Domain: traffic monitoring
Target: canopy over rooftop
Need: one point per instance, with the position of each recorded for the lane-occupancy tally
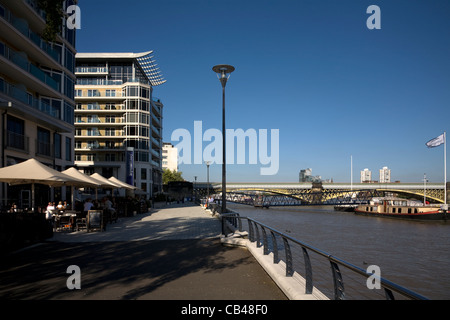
(145, 60)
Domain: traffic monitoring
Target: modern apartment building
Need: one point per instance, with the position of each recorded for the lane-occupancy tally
(366, 176)
(36, 95)
(170, 157)
(118, 121)
(305, 175)
(385, 175)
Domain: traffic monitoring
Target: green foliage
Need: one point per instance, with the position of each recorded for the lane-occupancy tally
(169, 176)
(55, 15)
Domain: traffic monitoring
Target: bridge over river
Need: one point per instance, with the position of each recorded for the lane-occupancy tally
(295, 194)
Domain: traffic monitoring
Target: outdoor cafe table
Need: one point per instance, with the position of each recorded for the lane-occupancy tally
(58, 214)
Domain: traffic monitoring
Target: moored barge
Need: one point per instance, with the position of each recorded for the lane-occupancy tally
(402, 209)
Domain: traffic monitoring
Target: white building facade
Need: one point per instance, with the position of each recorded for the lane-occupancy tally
(385, 175)
(366, 176)
(170, 157)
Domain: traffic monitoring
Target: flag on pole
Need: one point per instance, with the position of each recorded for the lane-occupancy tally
(436, 141)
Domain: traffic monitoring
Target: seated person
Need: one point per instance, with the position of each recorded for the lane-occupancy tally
(60, 206)
(49, 211)
(88, 205)
(108, 205)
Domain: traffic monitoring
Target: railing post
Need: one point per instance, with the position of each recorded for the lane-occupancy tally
(308, 271)
(339, 293)
(250, 231)
(265, 245)
(389, 295)
(258, 239)
(222, 218)
(275, 248)
(289, 267)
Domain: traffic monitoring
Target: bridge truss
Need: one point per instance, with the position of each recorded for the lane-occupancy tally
(266, 197)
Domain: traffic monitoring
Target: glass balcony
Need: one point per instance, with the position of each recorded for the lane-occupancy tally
(91, 70)
(21, 25)
(98, 82)
(98, 94)
(28, 99)
(20, 60)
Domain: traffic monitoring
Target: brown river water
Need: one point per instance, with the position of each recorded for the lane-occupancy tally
(413, 254)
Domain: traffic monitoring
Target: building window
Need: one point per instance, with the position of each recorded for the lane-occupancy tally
(132, 104)
(111, 132)
(110, 93)
(69, 61)
(93, 93)
(43, 142)
(69, 87)
(133, 91)
(68, 113)
(15, 133)
(145, 93)
(68, 149)
(143, 173)
(57, 143)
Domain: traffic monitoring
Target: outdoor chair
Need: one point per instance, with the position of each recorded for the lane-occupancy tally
(81, 221)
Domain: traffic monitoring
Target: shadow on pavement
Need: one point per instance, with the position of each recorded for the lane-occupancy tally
(169, 270)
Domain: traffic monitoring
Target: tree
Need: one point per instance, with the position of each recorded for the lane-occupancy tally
(169, 176)
(55, 15)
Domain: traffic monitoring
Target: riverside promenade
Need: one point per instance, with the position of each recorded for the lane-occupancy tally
(172, 253)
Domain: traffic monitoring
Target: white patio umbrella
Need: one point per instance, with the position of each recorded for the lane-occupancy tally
(32, 171)
(84, 177)
(105, 183)
(122, 184)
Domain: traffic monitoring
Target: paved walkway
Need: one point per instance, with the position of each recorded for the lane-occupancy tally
(173, 254)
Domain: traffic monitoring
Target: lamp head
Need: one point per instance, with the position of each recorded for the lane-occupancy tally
(223, 72)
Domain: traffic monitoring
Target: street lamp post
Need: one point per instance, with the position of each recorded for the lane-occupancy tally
(195, 188)
(223, 73)
(207, 181)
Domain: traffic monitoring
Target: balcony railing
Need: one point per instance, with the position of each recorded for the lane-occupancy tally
(110, 121)
(17, 141)
(91, 70)
(98, 94)
(22, 62)
(273, 242)
(97, 107)
(21, 25)
(156, 141)
(28, 99)
(43, 148)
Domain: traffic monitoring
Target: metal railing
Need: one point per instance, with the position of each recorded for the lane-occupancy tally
(273, 240)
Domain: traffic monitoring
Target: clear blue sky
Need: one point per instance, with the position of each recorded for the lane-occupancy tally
(310, 68)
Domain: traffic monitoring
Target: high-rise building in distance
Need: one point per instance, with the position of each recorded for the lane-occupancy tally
(366, 176)
(385, 175)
